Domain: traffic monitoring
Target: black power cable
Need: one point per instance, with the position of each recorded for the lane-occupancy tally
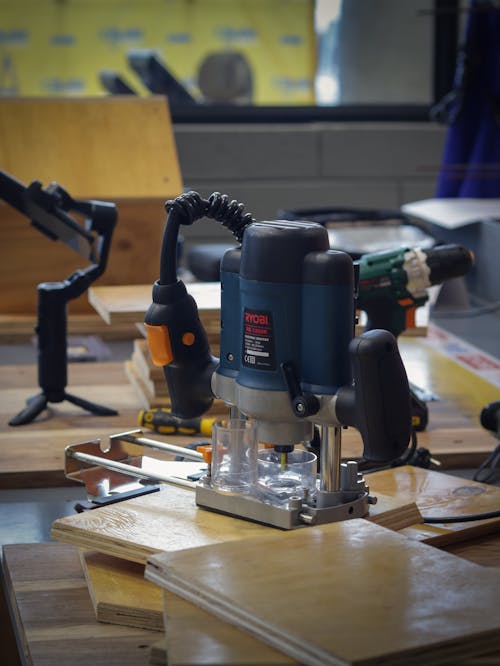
(461, 519)
(186, 209)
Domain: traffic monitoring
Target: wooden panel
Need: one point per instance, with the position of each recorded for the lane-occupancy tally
(20, 329)
(158, 654)
(118, 149)
(168, 520)
(28, 258)
(438, 494)
(105, 147)
(194, 637)
(128, 303)
(54, 614)
(119, 592)
(121, 595)
(462, 392)
(366, 581)
(33, 455)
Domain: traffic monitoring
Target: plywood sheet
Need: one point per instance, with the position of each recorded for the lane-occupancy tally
(363, 600)
(103, 147)
(438, 494)
(158, 654)
(195, 636)
(33, 455)
(119, 592)
(167, 520)
(128, 303)
(54, 615)
(170, 520)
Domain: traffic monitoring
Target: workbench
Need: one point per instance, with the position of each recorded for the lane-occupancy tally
(32, 456)
(56, 621)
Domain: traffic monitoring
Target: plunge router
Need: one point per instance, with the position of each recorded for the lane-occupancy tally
(289, 361)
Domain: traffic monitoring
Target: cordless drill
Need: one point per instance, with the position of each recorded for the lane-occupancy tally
(394, 283)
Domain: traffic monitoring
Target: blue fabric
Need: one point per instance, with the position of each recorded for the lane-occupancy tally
(471, 158)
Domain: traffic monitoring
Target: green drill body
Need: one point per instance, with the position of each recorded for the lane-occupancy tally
(392, 284)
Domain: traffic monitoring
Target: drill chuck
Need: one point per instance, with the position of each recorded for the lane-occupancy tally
(447, 261)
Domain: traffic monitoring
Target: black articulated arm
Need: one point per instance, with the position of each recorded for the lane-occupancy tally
(378, 404)
(49, 211)
(176, 337)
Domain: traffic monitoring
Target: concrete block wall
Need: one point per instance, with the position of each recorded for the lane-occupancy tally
(271, 166)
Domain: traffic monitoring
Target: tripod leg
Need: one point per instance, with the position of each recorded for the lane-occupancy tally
(34, 406)
(92, 407)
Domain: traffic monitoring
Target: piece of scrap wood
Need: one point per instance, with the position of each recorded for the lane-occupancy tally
(344, 593)
(119, 592)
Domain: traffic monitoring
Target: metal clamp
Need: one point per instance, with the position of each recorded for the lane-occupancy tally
(107, 467)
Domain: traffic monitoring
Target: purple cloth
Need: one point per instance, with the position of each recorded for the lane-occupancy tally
(471, 158)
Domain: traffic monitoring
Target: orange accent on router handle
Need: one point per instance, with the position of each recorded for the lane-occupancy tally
(159, 344)
(188, 338)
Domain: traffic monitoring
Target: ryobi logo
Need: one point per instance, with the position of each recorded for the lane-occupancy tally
(254, 318)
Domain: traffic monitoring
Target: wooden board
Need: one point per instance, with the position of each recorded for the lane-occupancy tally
(118, 147)
(121, 595)
(119, 592)
(54, 617)
(128, 303)
(158, 654)
(438, 494)
(195, 636)
(33, 455)
(364, 600)
(169, 520)
(83, 145)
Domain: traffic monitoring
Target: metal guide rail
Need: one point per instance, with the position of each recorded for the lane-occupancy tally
(117, 468)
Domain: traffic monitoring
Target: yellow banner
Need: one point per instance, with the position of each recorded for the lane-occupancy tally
(58, 48)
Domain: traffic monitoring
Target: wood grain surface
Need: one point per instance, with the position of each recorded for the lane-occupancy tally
(438, 494)
(170, 520)
(92, 146)
(371, 596)
(33, 455)
(121, 595)
(56, 140)
(167, 520)
(54, 615)
(194, 636)
(120, 304)
(158, 654)
(119, 592)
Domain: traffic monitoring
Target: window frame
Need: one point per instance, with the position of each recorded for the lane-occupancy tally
(445, 44)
